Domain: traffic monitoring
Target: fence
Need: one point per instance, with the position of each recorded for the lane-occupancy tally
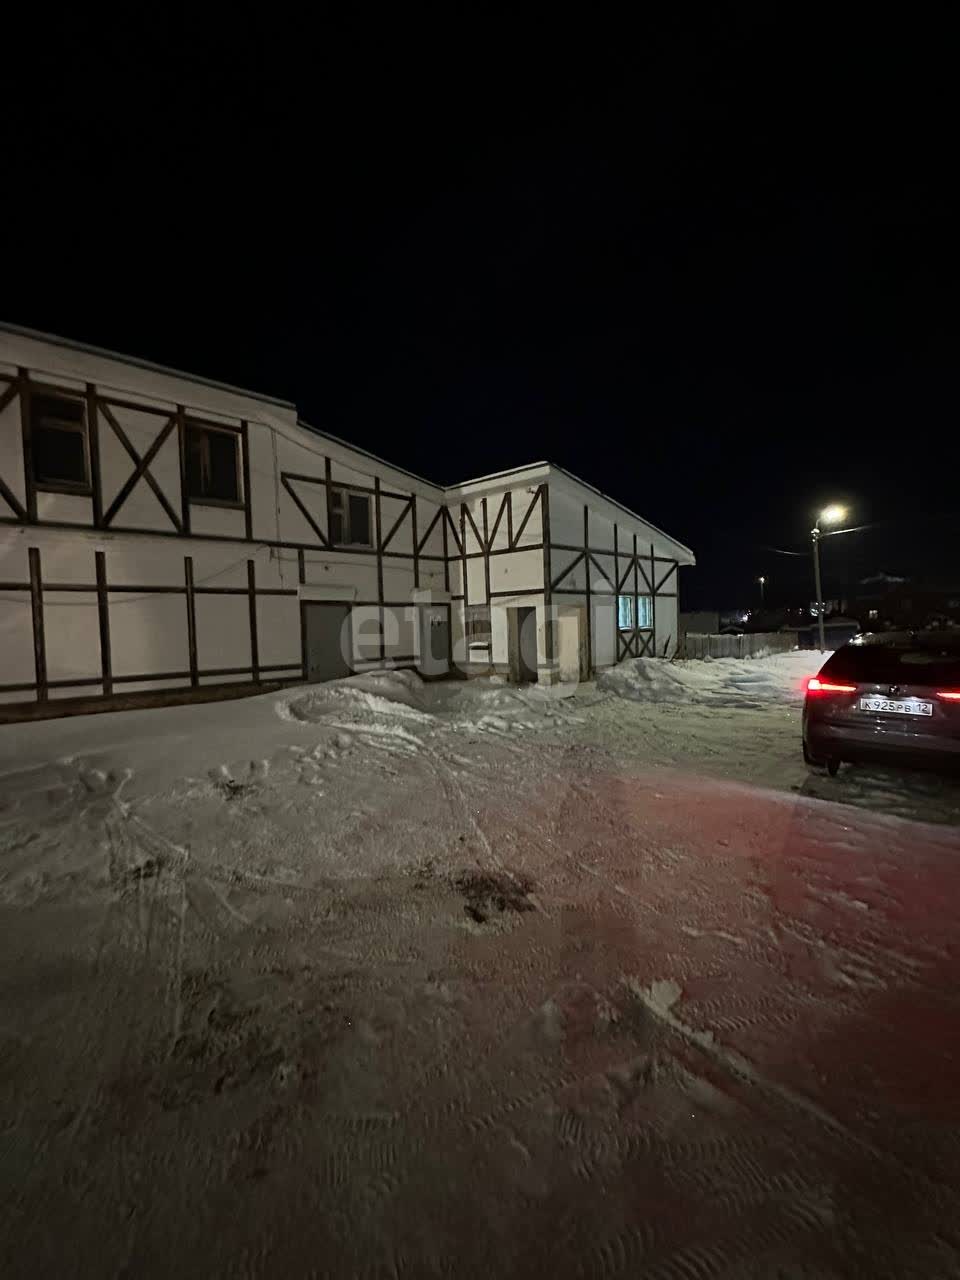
(753, 645)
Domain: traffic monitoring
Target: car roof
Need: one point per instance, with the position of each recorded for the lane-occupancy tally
(928, 639)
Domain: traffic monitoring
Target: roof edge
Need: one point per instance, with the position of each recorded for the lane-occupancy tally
(584, 484)
(374, 457)
(137, 363)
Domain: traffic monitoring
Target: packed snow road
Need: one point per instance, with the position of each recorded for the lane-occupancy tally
(383, 979)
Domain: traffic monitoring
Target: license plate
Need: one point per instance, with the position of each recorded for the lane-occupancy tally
(898, 706)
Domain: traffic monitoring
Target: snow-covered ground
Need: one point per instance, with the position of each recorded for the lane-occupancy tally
(715, 682)
(384, 978)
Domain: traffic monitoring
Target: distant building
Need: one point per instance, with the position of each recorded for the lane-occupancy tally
(885, 600)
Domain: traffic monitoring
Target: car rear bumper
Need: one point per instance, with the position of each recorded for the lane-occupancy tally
(824, 738)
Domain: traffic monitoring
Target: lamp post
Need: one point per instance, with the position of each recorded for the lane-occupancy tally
(762, 580)
(829, 515)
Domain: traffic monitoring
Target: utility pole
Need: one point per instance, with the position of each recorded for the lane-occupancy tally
(829, 515)
(815, 535)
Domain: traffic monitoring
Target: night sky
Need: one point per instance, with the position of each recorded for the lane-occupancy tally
(708, 266)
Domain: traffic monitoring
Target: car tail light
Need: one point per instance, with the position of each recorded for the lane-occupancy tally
(817, 686)
(949, 695)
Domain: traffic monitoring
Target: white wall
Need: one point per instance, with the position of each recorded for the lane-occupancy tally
(142, 549)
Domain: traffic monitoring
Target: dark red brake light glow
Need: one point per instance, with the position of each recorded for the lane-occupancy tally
(815, 685)
(949, 695)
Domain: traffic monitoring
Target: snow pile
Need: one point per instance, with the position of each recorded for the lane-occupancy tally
(376, 699)
(371, 695)
(723, 682)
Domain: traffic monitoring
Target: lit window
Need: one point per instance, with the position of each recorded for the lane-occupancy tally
(213, 464)
(644, 613)
(58, 431)
(625, 613)
(349, 518)
(873, 614)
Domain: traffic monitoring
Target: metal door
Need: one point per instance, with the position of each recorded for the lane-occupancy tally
(327, 641)
(526, 633)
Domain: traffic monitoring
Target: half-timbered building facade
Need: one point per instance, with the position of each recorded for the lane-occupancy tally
(162, 534)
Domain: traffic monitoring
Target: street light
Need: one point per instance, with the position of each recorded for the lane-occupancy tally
(762, 580)
(829, 515)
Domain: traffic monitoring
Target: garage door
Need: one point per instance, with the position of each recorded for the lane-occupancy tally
(327, 640)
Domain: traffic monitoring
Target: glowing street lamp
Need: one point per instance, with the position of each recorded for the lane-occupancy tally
(832, 514)
(762, 580)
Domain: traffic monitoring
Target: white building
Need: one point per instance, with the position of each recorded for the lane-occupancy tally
(160, 533)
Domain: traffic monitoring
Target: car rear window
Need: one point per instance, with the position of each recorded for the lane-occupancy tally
(926, 659)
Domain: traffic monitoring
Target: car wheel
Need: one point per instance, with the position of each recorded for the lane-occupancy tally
(833, 767)
(812, 761)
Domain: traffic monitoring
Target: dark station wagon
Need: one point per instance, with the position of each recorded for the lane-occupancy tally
(893, 695)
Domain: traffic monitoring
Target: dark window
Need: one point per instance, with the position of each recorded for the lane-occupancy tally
(213, 464)
(349, 518)
(476, 623)
(58, 431)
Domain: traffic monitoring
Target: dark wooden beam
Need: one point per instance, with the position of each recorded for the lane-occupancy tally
(549, 629)
(569, 569)
(481, 542)
(486, 548)
(252, 595)
(184, 494)
(93, 441)
(430, 528)
(463, 553)
(191, 620)
(413, 534)
(36, 606)
(247, 495)
(653, 600)
(141, 468)
(303, 639)
(11, 499)
(396, 524)
(458, 540)
(379, 530)
(328, 482)
(285, 481)
(26, 434)
(496, 523)
(586, 555)
(103, 614)
(529, 512)
(446, 552)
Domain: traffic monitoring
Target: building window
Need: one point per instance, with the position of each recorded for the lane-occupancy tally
(625, 613)
(349, 518)
(476, 623)
(58, 434)
(873, 614)
(213, 464)
(644, 613)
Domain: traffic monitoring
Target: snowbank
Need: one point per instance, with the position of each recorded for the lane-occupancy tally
(724, 682)
(374, 699)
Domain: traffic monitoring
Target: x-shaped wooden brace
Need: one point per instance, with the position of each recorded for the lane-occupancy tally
(141, 469)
